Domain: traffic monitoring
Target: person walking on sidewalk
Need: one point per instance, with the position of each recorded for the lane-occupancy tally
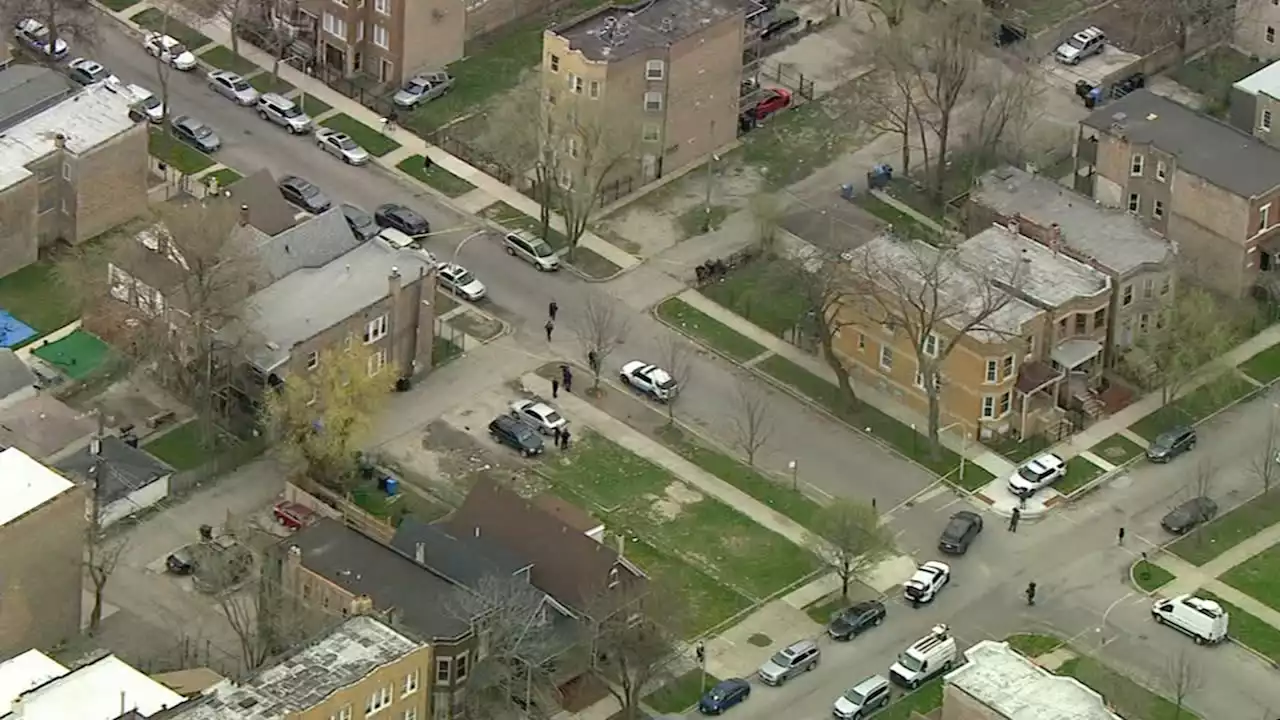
(1120, 537)
(552, 309)
(555, 433)
(551, 325)
(555, 388)
(1013, 520)
(564, 439)
(568, 379)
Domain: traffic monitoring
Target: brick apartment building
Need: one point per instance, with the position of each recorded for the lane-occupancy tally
(664, 77)
(72, 163)
(1208, 187)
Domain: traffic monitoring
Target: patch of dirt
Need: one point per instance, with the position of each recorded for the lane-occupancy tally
(652, 223)
(674, 498)
(446, 461)
(477, 325)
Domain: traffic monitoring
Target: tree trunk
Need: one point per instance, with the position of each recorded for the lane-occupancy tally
(95, 616)
(939, 179)
(844, 585)
(935, 412)
(906, 145)
(837, 367)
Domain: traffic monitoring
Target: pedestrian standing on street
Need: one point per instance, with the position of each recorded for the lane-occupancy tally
(552, 309)
(1031, 594)
(1120, 537)
(426, 163)
(555, 432)
(1013, 520)
(568, 379)
(555, 388)
(551, 325)
(564, 439)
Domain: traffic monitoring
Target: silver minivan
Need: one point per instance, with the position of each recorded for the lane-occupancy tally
(863, 699)
(789, 662)
(283, 112)
(531, 249)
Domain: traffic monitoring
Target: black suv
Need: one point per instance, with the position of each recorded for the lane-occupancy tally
(852, 621)
(517, 435)
(959, 533)
(1172, 443)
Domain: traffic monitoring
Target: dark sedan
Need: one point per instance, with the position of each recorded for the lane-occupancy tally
(360, 222)
(724, 695)
(404, 219)
(304, 194)
(854, 620)
(959, 533)
(1188, 515)
(195, 133)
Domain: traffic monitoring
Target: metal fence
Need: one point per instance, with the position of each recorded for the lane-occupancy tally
(775, 72)
(446, 140)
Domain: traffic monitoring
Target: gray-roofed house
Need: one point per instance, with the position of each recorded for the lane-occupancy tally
(267, 209)
(28, 89)
(127, 479)
(1210, 188)
(17, 381)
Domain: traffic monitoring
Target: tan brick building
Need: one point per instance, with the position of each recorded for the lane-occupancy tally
(1257, 23)
(1208, 187)
(998, 683)
(72, 163)
(42, 527)
(663, 77)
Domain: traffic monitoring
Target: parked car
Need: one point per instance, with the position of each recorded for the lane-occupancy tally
(341, 146)
(516, 434)
(293, 515)
(1036, 474)
(532, 249)
(863, 699)
(1185, 517)
(181, 562)
(284, 112)
(304, 194)
(169, 50)
(195, 133)
(144, 104)
(1171, 443)
(1204, 620)
(650, 380)
(794, 659)
(360, 222)
(88, 72)
(404, 219)
(927, 582)
(544, 418)
(459, 281)
(778, 21)
(774, 100)
(422, 88)
(397, 239)
(856, 619)
(724, 695)
(35, 35)
(960, 532)
(233, 87)
(1084, 44)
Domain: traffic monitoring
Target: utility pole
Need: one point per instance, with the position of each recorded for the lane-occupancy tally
(97, 472)
(712, 158)
(700, 651)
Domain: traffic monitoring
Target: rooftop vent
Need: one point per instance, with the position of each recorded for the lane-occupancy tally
(666, 25)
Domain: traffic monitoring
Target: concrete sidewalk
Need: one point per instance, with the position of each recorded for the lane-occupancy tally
(1190, 578)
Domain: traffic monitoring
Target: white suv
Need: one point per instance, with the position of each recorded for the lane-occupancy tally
(1037, 474)
(1083, 44)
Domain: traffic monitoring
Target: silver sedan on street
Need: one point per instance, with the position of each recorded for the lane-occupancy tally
(341, 146)
(233, 87)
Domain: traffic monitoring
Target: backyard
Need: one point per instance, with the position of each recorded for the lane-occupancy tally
(1213, 73)
(182, 157)
(183, 447)
(31, 296)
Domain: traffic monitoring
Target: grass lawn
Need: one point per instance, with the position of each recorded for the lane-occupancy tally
(443, 350)
(34, 296)
(171, 151)
(708, 330)
(681, 693)
(1117, 449)
(693, 222)
(1258, 576)
(1150, 577)
(1015, 450)
(904, 224)
(1129, 699)
(708, 603)
(224, 176)
(312, 105)
(435, 176)
(375, 142)
(592, 264)
(182, 447)
(1033, 645)
(1248, 630)
(772, 493)
(513, 219)
(646, 500)
(154, 19)
(118, 5)
(78, 355)
(1194, 406)
(262, 82)
(821, 611)
(924, 700)
(764, 292)
(1263, 367)
(1213, 73)
(221, 57)
(1080, 472)
(1227, 531)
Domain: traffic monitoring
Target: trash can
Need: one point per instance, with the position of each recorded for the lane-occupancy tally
(846, 191)
(392, 486)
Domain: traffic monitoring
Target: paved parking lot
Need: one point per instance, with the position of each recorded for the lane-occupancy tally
(1093, 70)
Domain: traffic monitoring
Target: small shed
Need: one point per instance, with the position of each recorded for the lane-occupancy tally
(131, 479)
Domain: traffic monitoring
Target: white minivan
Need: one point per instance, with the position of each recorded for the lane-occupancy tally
(1204, 620)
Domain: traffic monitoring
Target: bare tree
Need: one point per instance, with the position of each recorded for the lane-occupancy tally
(1182, 342)
(170, 11)
(633, 637)
(752, 423)
(890, 95)
(675, 355)
(1265, 465)
(518, 143)
(1182, 677)
(69, 21)
(602, 326)
(102, 555)
(851, 540)
(257, 613)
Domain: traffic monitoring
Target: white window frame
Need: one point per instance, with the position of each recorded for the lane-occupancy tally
(444, 664)
(1135, 203)
(313, 360)
(593, 89)
(376, 362)
(1137, 164)
(1270, 35)
(66, 171)
(1264, 217)
(375, 330)
(343, 714)
(553, 63)
(653, 101)
(654, 69)
(1148, 288)
(1264, 124)
(382, 6)
(359, 32)
(919, 380)
(1157, 209)
(930, 345)
(571, 146)
(1161, 170)
(410, 684)
(411, 714)
(576, 83)
(1004, 404)
(993, 372)
(886, 357)
(335, 25)
(1008, 366)
(380, 700)
(651, 132)
(1126, 295)
(988, 407)
(381, 36)
(463, 665)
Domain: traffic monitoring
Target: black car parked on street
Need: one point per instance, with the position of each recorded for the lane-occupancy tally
(856, 619)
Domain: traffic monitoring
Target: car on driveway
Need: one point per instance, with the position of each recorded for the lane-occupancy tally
(650, 380)
(422, 88)
(292, 515)
(459, 281)
(773, 100)
(1185, 517)
(1081, 45)
(532, 249)
(181, 562)
(304, 194)
(960, 532)
(1171, 443)
(360, 222)
(1036, 474)
(195, 133)
(516, 434)
(35, 35)
(724, 695)
(856, 619)
(88, 72)
(540, 415)
(406, 220)
(927, 581)
(233, 87)
(341, 146)
(169, 50)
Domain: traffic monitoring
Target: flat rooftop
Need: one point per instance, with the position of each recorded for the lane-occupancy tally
(1266, 81)
(1048, 278)
(100, 690)
(1117, 240)
(86, 119)
(19, 674)
(1018, 689)
(26, 485)
(340, 659)
(616, 31)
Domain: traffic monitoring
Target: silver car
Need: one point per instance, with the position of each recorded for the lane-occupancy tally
(233, 87)
(459, 281)
(341, 146)
(422, 88)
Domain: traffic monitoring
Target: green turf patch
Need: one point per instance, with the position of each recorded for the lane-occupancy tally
(77, 355)
(1117, 449)
(221, 57)
(119, 5)
(1226, 531)
(681, 693)
(435, 176)
(1129, 699)
(1263, 367)
(708, 330)
(1194, 406)
(171, 151)
(1033, 645)
(513, 219)
(264, 83)
(769, 294)
(707, 602)
(224, 177)
(591, 263)
(1259, 576)
(1150, 577)
(922, 701)
(1248, 630)
(312, 105)
(1080, 472)
(375, 142)
(184, 447)
(155, 20)
(37, 297)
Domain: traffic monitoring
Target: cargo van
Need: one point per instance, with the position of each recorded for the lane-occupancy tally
(931, 655)
(1204, 620)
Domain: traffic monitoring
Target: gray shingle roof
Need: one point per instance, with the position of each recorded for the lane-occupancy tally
(268, 210)
(310, 244)
(1215, 151)
(126, 468)
(28, 89)
(14, 374)
(465, 560)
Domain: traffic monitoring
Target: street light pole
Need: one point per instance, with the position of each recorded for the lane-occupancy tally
(794, 467)
(711, 170)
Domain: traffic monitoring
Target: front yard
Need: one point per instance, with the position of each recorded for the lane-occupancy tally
(1248, 630)
(376, 143)
(157, 20)
(1258, 576)
(708, 330)
(1080, 472)
(1229, 530)
(1129, 699)
(1195, 405)
(171, 151)
(765, 292)
(1263, 367)
(1117, 449)
(435, 176)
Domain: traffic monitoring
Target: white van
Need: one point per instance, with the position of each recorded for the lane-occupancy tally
(1204, 620)
(931, 655)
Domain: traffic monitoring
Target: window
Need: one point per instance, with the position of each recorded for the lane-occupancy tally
(650, 133)
(1144, 320)
(335, 26)
(1062, 326)
(313, 360)
(1265, 124)
(653, 70)
(1005, 401)
(653, 102)
(376, 362)
(375, 330)
(1127, 297)
(1264, 217)
(931, 345)
(554, 63)
(886, 357)
(343, 714)
(411, 714)
(572, 147)
(463, 661)
(575, 83)
(613, 577)
(1135, 202)
(992, 371)
(1148, 288)
(1081, 324)
(920, 380)
(1165, 285)
(1157, 209)
(444, 669)
(594, 89)
(988, 407)
(1135, 165)
(66, 171)
(862, 342)
(380, 699)
(1160, 170)
(1271, 35)
(381, 37)
(382, 6)
(410, 684)
(1099, 318)
(1007, 367)
(359, 32)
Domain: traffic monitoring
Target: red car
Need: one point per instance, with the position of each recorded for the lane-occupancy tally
(293, 515)
(774, 100)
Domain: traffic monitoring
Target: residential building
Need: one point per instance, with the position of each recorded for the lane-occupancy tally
(1020, 370)
(120, 479)
(35, 687)
(1256, 25)
(1141, 264)
(72, 163)
(655, 85)
(41, 590)
(1255, 104)
(1208, 187)
(360, 669)
(44, 427)
(998, 683)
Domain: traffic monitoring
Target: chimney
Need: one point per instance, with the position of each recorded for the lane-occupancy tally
(1014, 224)
(394, 285)
(244, 214)
(60, 141)
(622, 545)
(362, 605)
(295, 555)
(420, 553)
(477, 531)
(1055, 237)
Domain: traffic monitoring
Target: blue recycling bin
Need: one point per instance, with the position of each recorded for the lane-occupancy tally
(392, 486)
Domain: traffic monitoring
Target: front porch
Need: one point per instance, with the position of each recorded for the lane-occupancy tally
(1060, 397)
